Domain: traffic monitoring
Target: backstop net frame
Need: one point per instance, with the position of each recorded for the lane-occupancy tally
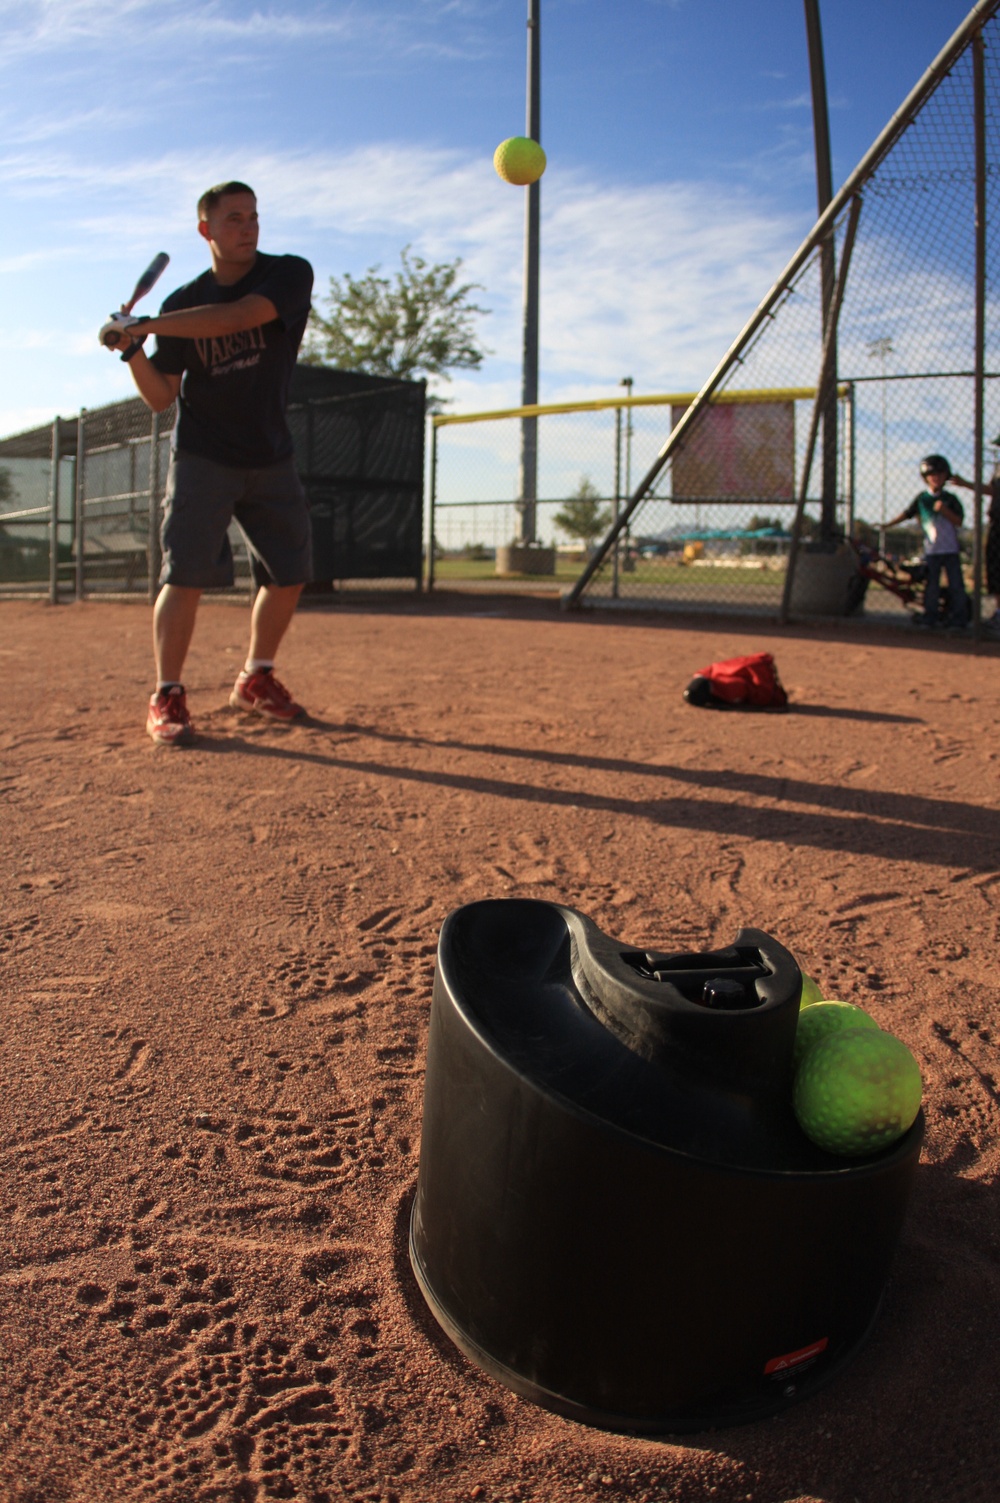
(877, 302)
(717, 550)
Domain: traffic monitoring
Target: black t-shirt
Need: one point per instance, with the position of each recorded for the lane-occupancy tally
(234, 389)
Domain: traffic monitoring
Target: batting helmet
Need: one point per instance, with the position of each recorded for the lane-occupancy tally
(934, 464)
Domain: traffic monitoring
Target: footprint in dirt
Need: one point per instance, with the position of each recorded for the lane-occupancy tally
(312, 1152)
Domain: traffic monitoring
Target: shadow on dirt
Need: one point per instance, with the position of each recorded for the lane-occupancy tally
(866, 822)
(488, 602)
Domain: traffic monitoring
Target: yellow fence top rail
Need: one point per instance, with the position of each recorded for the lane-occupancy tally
(670, 399)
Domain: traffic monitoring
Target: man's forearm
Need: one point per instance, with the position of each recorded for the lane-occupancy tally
(213, 319)
(155, 389)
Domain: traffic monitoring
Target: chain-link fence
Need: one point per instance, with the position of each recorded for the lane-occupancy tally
(80, 497)
(586, 453)
(722, 531)
(121, 459)
(770, 491)
(890, 312)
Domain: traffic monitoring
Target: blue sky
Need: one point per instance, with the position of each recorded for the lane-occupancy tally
(678, 133)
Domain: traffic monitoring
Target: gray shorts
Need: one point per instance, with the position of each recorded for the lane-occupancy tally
(202, 499)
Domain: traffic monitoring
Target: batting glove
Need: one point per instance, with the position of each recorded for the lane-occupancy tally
(115, 333)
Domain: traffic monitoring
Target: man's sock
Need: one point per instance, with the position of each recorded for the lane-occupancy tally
(167, 684)
(258, 665)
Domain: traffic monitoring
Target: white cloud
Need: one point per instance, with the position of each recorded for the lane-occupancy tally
(47, 27)
(18, 340)
(22, 130)
(647, 281)
(31, 259)
(21, 419)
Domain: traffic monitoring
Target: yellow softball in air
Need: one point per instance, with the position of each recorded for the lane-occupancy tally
(519, 160)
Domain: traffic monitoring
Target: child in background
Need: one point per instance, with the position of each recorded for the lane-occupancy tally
(940, 515)
(991, 550)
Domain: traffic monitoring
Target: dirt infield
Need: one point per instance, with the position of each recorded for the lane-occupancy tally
(217, 967)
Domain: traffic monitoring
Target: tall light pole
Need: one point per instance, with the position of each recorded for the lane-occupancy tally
(528, 487)
(824, 193)
(628, 383)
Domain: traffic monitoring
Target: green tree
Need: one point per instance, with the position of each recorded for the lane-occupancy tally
(582, 516)
(421, 323)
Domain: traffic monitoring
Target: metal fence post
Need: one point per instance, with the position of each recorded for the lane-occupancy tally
(979, 114)
(153, 530)
(618, 496)
(430, 510)
(852, 453)
(54, 513)
(628, 384)
(80, 478)
(433, 499)
(824, 380)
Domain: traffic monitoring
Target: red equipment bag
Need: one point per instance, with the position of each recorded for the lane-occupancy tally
(750, 681)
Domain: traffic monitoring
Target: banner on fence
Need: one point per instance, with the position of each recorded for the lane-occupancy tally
(737, 451)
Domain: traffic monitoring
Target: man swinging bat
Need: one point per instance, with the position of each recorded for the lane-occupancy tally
(226, 346)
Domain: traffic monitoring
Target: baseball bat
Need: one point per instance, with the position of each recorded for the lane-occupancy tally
(150, 277)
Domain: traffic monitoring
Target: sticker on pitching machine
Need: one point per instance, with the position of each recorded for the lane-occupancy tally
(795, 1361)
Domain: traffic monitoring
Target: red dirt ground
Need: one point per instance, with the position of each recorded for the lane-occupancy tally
(216, 987)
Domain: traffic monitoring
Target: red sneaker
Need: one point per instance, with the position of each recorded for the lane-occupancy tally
(168, 721)
(263, 694)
